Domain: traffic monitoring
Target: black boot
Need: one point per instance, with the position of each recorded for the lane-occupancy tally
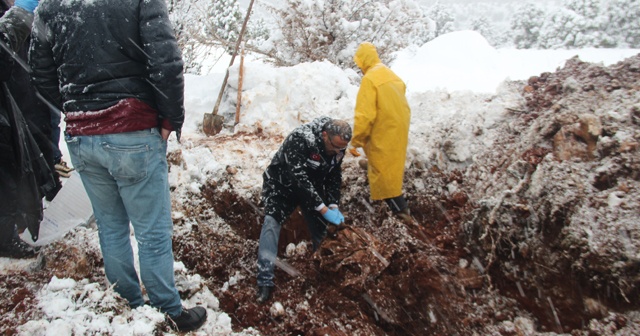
(51, 194)
(17, 249)
(405, 215)
(264, 293)
(189, 319)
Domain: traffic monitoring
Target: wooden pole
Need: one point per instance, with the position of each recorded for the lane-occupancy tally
(240, 77)
(233, 57)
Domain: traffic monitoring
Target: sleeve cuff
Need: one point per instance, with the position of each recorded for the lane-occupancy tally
(167, 125)
(319, 207)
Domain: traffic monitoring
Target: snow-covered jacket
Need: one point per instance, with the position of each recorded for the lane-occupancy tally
(14, 30)
(302, 165)
(90, 55)
(24, 174)
(381, 123)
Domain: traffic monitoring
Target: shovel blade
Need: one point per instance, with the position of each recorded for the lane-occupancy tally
(212, 124)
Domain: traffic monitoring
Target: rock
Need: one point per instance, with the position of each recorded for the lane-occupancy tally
(232, 170)
(594, 308)
(578, 140)
(70, 262)
(363, 163)
(628, 146)
(290, 250)
(470, 278)
(590, 127)
(460, 198)
(175, 158)
(276, 309)
(635, 114)
(570, 85)
(301, 248)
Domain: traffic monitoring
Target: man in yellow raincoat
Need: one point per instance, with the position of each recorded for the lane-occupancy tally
(381, 128)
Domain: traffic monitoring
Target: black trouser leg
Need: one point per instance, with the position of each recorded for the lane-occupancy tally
(397, 204)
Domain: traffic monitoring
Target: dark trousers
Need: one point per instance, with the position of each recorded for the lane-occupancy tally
(397, 204)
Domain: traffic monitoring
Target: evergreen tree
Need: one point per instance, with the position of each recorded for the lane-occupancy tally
(586, 28)
(223, 20)
(481, 25)
(179, 11)
(588, 9)
(561, 30)
(580, 24)
(304, 30)
(526, 26)
(442, 18)
(332, 29)
(204, 27)
(622, 23)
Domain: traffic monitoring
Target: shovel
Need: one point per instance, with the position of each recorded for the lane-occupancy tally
(212, 122)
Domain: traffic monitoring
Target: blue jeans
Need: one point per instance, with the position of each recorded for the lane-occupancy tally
(268, 249)
(125, 176)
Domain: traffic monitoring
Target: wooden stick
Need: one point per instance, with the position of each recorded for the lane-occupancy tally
(240, 75)
(235, 52)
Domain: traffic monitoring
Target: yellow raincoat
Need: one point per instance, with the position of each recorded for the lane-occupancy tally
(381, 123)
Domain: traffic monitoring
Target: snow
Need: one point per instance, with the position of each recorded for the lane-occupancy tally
(446, 76)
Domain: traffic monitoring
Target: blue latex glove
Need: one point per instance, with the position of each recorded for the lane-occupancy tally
(335, 207)
(341, 216)
(333, 216)
(29, 5)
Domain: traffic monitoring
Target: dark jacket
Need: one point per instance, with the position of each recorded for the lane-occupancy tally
(89, 55)
(36, 113)
(14, 30)
(302, 166)
(24, 174)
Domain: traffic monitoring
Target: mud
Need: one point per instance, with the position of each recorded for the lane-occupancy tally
(468, 264)
(536, 235)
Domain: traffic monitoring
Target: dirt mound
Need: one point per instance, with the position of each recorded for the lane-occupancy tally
(538, 235)
(556, 220)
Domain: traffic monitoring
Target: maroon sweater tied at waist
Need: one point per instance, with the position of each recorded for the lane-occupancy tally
(128, 115)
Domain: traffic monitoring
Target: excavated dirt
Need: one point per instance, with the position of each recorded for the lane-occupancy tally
(537, 234)
(505, 252)
(377, 275)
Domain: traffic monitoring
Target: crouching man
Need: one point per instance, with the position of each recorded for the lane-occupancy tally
(306, 172)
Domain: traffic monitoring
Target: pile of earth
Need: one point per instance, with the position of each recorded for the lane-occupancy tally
(536, 234)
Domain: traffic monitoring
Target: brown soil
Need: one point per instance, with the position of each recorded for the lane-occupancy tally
(540, 234)
(465, 266)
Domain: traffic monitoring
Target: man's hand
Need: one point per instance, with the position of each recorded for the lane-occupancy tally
(333, 216)
(29, 5)
(354, 151)
(165, 133)
(335, 207)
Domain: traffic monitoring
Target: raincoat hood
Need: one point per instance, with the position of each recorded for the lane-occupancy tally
(366, 56)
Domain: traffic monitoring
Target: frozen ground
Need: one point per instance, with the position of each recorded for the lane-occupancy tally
(528, 225)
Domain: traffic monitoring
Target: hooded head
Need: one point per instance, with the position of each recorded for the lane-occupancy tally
(366, 56)
(4, 6)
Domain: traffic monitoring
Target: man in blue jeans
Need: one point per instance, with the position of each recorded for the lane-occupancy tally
(117, 74)
(305, 172)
